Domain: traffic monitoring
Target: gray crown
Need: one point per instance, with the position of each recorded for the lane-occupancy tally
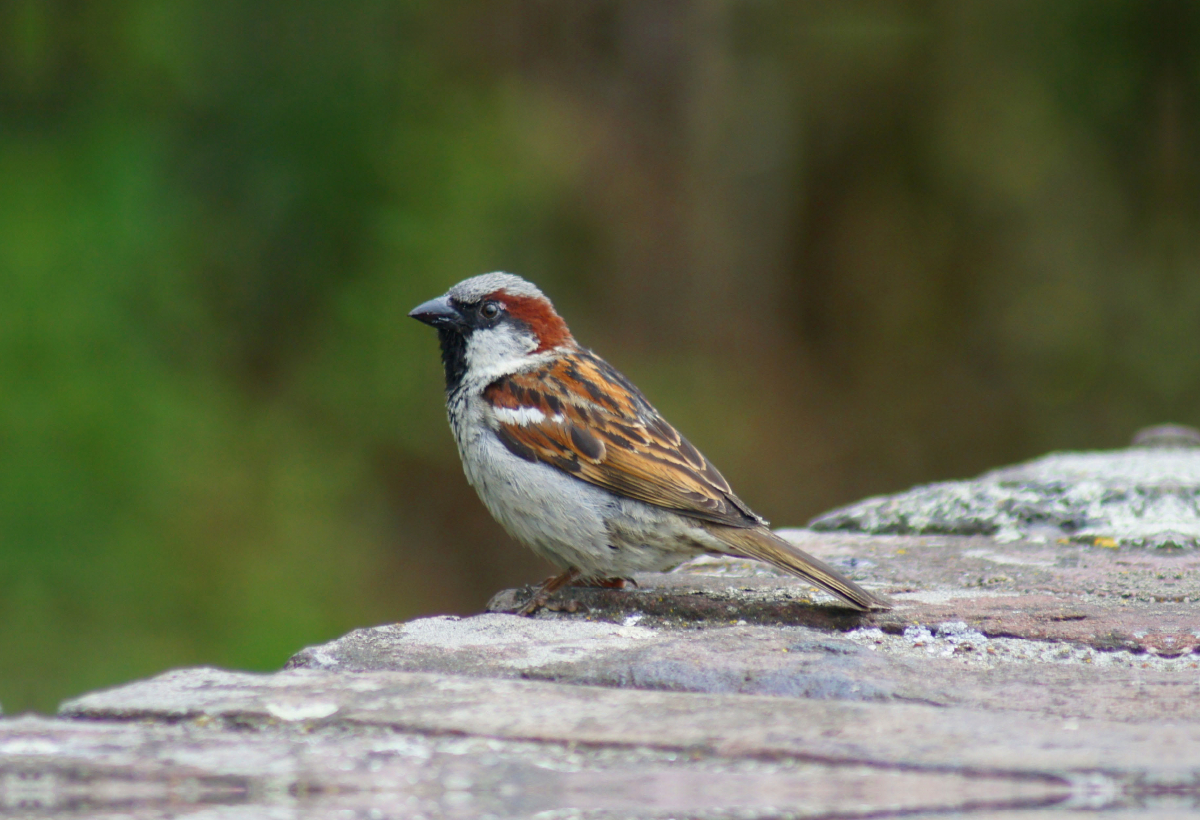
(477, 287)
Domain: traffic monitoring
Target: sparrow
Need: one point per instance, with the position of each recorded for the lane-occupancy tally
(574, 462)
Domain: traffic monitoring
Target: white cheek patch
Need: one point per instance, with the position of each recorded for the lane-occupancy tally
(498, 351)
(523, 415)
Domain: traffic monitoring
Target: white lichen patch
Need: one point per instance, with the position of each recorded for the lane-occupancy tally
(301, 709)
(1007, 559)
(516, 642)
(946, 596)
(972, 648)
(1136, 497)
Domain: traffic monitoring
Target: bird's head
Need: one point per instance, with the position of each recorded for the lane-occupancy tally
(492, 325)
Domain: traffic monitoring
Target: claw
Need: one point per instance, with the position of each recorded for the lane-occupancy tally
(571, 577)
(551, 586)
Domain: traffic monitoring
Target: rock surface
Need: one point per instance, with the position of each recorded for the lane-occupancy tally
(1033, 668)
(1147, 496)
(951, 664)
(242, 762)
(1096, 595)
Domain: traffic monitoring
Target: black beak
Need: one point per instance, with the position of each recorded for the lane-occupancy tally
(437, 312)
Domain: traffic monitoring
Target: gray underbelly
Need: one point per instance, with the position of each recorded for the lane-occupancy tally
(575, 524)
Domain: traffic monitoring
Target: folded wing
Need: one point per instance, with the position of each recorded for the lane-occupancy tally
(580, 415)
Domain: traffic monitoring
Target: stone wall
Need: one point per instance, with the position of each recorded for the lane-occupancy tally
(1042, 655)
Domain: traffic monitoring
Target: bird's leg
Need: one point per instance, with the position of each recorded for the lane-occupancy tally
(547, 589)
(607, 583)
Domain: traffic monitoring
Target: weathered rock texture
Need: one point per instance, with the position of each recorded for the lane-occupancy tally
(444, 755)
(1148, 495)
(1032, 668)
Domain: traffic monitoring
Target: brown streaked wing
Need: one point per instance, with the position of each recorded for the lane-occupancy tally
(612, 437)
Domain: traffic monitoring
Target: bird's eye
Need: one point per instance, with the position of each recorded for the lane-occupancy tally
(490, 310)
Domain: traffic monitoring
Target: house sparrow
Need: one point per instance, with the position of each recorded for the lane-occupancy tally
(573, 460)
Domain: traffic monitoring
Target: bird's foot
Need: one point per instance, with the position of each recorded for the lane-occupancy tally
(533, 604)
(570, 578)
(552, 585)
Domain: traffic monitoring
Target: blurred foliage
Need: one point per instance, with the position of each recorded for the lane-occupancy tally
(845, 246)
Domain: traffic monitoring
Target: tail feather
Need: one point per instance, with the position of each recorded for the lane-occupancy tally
(764, 545)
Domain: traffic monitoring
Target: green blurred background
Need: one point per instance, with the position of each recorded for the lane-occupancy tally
(845, 246)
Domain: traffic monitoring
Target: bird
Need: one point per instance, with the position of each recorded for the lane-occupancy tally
(575, 463)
